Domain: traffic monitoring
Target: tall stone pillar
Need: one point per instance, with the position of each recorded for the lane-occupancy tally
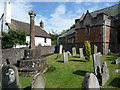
(32, 29)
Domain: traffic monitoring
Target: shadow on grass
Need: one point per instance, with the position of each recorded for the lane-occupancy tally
(80, 72)
(78, 60)
(115, 82)
(60, 61)
(76, 56)
(111, 58)
(27, 88)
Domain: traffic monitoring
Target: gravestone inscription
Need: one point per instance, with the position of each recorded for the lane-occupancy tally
(10, 77)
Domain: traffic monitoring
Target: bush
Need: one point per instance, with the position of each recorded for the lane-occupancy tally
(51, 69)
(87, 50)
(12, 38)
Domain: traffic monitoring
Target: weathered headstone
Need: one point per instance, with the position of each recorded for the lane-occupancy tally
(65, 56)
(90, 82)
(60, 49)
(69, 54)
(105, 73)
(97, 63)
(58, 56)
(95, 49)
(117, 60)
(32, 29)
(38, 81)
(81, 52)
(10, 77)
(74, 51)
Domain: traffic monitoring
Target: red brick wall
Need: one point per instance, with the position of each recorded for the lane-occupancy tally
(94, 36)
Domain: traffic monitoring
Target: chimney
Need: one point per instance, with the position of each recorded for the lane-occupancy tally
(42, 24)
(7, 12)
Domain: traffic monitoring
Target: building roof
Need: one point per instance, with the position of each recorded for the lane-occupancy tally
(70, 33)
(110, 11)
(26, 27)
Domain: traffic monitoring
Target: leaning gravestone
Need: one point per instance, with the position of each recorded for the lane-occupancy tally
(90, 81)
(95, 49)
(10, 77)
(60, 49)
(105, 73)
(65, 56)
(97, 63)
(81, 52)
(74, 51)
(38, 81)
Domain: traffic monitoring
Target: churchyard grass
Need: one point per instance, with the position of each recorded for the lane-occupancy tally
(71, 74)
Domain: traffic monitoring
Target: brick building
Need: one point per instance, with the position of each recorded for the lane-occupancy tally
(101, 28)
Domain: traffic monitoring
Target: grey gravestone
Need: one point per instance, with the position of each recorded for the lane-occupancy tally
(69, 54)
(90, 81)
(10, 77)
(60, 49)
(58, 56)
(81, 52)
(74, 51)
(105, 73)
(65, 56)
(95, 49)
(117, 60)
(38, 81)
(97, 63)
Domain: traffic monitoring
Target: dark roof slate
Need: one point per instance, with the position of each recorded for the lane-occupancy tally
(26, 27)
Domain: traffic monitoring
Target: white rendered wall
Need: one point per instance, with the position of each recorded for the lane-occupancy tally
(38, 40)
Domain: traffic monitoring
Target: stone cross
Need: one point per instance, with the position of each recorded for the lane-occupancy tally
(90, 82)
(38, 82)
(32, 29)
(65, 56)
(74, 51)
(81, 52)
(97, 63)
(95, 49)
(10, 77)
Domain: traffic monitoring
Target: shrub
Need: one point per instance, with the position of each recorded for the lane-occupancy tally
(51, 69)
(87, 50)
(12, 38)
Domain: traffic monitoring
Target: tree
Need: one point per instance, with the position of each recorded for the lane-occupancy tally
(87, 50)
(13, 37)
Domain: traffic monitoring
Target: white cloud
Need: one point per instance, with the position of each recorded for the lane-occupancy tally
(60, 19)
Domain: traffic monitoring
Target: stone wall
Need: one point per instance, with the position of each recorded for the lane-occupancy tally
(14, 54)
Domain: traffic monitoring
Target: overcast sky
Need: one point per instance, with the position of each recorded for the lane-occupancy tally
(56, 15)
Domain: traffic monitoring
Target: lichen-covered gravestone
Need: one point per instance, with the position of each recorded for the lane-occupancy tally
(10, 77)
(74, 51)
(90, 81)
(97, 63)
(81, 52)
(38, 81)
(105, 73)
(65, 56)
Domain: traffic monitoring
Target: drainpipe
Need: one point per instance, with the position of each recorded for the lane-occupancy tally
(105, 37)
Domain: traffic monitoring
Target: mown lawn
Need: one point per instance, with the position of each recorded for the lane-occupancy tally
(71, 74)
